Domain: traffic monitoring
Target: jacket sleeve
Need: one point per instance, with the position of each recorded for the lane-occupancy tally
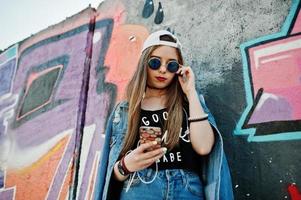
(225, 191)
(102, 170)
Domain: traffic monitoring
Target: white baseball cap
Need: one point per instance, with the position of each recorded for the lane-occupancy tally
(154, 39)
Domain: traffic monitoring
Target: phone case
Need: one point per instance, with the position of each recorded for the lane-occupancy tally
(150, 133)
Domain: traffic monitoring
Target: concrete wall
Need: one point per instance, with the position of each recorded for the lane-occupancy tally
(58, 87)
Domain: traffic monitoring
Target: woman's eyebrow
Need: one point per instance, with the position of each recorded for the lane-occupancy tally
(154, 56)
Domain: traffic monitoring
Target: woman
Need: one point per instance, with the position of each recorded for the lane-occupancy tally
(184, 159)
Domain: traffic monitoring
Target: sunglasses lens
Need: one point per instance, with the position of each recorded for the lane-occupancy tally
(154, 63)
(173, 66)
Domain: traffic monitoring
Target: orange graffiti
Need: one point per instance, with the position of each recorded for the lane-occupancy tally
(123, 55)
(67, 182)
(34, 181)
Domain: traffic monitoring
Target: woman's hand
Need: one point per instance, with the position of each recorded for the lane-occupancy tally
(140, 158)
(186, 79)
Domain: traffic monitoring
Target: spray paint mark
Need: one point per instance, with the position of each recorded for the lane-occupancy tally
(294, 192)
(170, 30)
(148, 9)
(159, 14)
(132, 38)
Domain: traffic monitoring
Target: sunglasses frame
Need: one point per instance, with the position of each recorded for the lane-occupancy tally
(167, 64)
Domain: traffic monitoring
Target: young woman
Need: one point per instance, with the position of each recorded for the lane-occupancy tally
(162, 142)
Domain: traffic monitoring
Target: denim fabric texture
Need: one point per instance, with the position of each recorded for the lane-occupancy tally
(170, 184)
(215, 172)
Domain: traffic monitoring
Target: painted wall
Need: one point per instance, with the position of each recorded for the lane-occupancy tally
(58, 87)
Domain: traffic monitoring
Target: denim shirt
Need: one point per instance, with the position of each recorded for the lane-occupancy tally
(215, 170)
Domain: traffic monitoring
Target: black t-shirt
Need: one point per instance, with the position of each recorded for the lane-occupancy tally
(182, 156)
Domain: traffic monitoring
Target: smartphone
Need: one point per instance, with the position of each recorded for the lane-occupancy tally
(149, 134)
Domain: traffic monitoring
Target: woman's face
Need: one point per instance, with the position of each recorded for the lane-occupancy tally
(161, 78)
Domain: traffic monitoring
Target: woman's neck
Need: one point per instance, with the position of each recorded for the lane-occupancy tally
(155, 92)
(154, 99)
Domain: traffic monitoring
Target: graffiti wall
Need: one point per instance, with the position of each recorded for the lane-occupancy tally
(59, 86)
(42, 139)
(272, 82)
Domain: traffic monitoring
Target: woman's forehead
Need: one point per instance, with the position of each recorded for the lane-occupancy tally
(165, 52)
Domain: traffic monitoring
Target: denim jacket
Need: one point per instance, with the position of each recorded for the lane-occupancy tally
(215, 170)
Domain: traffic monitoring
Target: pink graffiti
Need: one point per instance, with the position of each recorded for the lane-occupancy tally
(276, 68)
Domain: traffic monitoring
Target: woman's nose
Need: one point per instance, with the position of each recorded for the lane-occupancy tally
(163, 68)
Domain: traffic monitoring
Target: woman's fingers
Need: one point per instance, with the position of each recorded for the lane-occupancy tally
(150, 161)
(143, 147)
(183, 70)
(154, 153)
(180, 69)
(142, 157)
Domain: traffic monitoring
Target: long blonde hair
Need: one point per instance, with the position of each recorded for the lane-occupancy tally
(134, 94)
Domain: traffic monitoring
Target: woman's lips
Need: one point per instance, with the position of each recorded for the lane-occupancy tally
(159, 78)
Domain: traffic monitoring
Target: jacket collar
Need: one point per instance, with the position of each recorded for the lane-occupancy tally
(124, 104)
